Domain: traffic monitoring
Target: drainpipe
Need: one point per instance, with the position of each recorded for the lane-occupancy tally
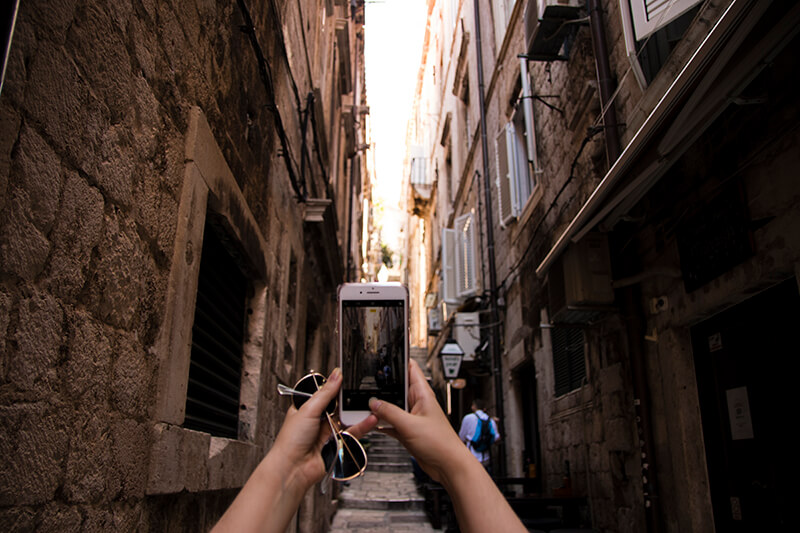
(604, 80)
(494, 331)
(630, 295)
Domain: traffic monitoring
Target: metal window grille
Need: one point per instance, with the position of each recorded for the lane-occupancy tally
(215, 372)
(568, 360)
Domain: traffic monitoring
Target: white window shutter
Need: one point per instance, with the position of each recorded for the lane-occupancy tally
(465, 256)
(651, 15)
(505, 164)
(448, 280)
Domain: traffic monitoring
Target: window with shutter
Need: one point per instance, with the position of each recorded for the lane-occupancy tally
(504, 152)
(569, 365)
(465, 258)
(513, 181)
(449, 293)
(215, 371)
(651, 15)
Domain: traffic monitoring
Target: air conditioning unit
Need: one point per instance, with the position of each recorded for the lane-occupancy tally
(546, 28)
(467, 333)
(579, 283)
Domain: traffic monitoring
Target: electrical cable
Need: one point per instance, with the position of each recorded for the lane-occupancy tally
(267, 80)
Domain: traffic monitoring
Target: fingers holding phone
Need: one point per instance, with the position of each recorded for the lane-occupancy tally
(373, 347)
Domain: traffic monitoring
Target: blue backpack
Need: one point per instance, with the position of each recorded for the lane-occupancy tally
(483, 437)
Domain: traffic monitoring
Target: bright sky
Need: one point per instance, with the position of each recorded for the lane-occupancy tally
(394, 30)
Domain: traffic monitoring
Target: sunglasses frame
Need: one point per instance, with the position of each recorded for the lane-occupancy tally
(299, 397)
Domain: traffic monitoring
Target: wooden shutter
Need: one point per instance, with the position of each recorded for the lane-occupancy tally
(569, 365)
(651, 15)
(504, 151)
(465, 255)
(449, 293)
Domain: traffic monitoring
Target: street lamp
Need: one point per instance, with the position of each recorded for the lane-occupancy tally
(451, 355)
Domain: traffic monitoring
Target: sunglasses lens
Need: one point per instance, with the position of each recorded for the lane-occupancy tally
(351, 460)
(311, 384)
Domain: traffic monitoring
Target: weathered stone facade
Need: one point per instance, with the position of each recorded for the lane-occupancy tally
(123, 127)
(696, 210)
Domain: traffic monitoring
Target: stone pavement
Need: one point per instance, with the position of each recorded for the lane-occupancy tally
(385, 498)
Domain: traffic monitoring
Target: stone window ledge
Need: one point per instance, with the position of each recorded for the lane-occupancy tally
(183, 459)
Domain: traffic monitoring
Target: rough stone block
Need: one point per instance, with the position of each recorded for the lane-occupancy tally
(131, 378)
(38, 336)
(196, 447)
(619, 435)
(230, 463)
(88, 365)
(166, 457)
(116, 294)
(5, 311)
(64, 104)
(33, 450)
(23, 247)
(91, 476)
(60, 518)
(77, 231)
(37, 170)
(130, 442)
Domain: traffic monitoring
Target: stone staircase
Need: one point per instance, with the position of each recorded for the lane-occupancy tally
(385, 498)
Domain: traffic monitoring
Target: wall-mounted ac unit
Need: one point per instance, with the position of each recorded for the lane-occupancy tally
(579, 283)
(546, 28)
(467, 333)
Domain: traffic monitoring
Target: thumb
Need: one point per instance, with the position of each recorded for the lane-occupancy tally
(388, 412)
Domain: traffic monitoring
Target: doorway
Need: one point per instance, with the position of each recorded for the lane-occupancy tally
(744, 358)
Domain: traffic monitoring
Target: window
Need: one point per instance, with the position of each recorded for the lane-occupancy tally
(651, 29)
(502, 12)
(459, 273)
(466, 284)
(216, 232)
(514, 181)
(651, 15)
(215, 370)
(418, 171)
(569, 366)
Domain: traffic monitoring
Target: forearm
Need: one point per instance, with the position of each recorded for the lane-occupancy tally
(478, 503)
(268, 500)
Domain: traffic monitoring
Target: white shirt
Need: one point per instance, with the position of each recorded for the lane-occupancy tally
(468, 426)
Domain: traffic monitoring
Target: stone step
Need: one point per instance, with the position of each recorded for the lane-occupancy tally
(380, 521)
(388, 457)
(382, 504)
(390, 467)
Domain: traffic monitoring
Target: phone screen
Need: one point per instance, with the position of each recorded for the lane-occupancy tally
(373, 352)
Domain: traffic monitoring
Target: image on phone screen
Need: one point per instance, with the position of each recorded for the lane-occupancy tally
(373, 352)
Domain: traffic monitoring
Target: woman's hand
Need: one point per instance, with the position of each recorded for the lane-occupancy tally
(306, 430)
(273, 493)
(425, 431)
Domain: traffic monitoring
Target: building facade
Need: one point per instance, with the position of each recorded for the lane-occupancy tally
(643, 231)
(181, 191)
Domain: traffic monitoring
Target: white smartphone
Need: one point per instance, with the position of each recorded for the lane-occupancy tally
(373, 347)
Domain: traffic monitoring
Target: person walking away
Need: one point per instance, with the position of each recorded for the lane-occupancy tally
(479, 431)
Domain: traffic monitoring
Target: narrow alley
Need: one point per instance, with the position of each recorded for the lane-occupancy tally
(590, 210)
(385, 498)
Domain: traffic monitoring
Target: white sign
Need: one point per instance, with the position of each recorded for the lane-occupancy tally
(451, 364)
(739, 414)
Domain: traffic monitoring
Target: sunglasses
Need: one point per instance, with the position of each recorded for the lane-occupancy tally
(343, 455)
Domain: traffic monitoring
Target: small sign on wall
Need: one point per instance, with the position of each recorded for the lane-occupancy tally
(739, 414)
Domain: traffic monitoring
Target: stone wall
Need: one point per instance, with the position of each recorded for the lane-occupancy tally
(94, 118)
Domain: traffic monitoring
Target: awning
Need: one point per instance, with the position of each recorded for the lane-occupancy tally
(732, 54)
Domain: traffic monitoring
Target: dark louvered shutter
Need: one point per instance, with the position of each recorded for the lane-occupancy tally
(568, 360)
(215, 373)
